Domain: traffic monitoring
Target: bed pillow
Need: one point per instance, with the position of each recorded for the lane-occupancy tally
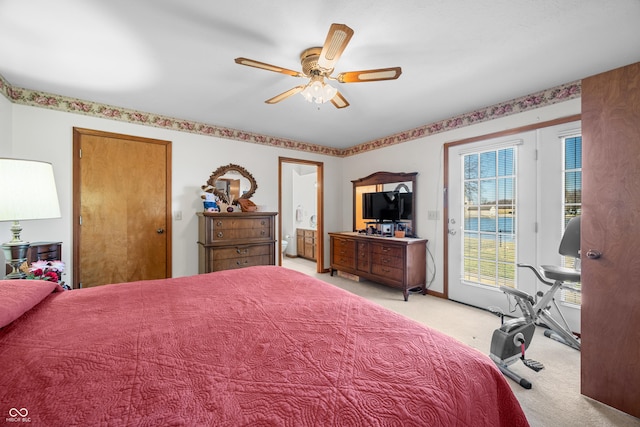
(19, 296)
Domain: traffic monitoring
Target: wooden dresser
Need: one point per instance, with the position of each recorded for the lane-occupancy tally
(397, 262)
(235, 240)
(306, 243)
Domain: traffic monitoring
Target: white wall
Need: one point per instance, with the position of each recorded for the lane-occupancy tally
(425, 156)
(288, 214)
(304, 196)
(5, 127)
(42, 134)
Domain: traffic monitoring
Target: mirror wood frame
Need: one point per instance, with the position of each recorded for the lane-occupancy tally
(210, 186)
(381, 178)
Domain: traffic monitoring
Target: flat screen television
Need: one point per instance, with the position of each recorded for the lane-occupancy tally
(387, 206)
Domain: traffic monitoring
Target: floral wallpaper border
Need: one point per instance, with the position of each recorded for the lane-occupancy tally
(23, 96)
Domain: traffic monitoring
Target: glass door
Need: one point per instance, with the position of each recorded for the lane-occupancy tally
(491, 223)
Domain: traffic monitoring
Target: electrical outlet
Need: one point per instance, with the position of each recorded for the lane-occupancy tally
(433, 215)
(177, 215)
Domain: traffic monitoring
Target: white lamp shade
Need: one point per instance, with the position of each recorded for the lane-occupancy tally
(27, 190)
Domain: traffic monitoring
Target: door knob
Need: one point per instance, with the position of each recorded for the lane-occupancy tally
(593, 254)
(160, 230)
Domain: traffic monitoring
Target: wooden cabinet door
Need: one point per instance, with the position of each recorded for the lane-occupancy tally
(610, 318)
(300, 243)
(122, 208)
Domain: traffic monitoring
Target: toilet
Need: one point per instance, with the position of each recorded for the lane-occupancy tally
(284, 243)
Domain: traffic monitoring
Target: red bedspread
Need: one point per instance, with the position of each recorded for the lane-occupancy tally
(251, 347)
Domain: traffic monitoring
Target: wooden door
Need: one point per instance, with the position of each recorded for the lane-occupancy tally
(122, 208)
(610, 225)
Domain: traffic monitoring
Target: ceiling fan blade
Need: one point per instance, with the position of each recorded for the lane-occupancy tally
(339, 101)
(268, 67)
(369, 75)
(285, 95)
(336, 42)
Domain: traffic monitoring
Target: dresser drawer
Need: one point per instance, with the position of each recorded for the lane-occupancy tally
(240, 251)
(224, 229)
(240, 262)
(239, 234)
(239, 223)
(386, 260)
(388, 272)
(343, 252)
(388, 250)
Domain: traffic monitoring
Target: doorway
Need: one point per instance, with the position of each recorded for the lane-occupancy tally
(504, 205)
(491, 214)
(121, 208)
(301, 210)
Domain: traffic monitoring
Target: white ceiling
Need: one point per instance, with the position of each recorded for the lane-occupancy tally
(176, 57)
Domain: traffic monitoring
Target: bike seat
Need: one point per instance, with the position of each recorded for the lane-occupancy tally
(562, 274)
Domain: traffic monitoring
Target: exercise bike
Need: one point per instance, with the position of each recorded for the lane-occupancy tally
(509, 342)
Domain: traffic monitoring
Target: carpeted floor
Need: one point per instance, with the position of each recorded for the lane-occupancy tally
(554, 399)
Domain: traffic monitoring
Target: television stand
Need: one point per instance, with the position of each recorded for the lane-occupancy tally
(396, 262)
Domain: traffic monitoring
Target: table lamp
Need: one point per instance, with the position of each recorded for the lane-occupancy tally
(27, 191)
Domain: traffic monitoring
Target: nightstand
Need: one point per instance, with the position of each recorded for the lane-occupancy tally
(46, 251)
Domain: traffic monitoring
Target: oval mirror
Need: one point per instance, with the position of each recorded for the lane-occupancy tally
(230, 183)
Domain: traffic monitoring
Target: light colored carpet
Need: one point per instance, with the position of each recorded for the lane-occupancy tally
(554, 399)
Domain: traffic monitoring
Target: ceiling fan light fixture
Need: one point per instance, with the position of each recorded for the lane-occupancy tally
(319, 92)
(318, 64)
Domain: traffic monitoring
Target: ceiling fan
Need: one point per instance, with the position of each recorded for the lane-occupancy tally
(318, 63)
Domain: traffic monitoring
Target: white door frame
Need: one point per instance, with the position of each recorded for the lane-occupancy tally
(524, 166)
(447, 159)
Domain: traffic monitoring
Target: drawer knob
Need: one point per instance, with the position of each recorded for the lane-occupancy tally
(220, 234)
(218, 223)
(242, 251)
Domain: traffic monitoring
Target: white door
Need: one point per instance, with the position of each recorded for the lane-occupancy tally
(492, 219)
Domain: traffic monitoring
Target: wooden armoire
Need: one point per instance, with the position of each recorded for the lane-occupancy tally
(610, 238)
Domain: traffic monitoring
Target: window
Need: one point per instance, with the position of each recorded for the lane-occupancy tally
(489, 217)
(572, 203)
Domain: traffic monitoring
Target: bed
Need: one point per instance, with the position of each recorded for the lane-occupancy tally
(252, 347)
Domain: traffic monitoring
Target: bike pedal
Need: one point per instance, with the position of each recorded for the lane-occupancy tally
(532, 364)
